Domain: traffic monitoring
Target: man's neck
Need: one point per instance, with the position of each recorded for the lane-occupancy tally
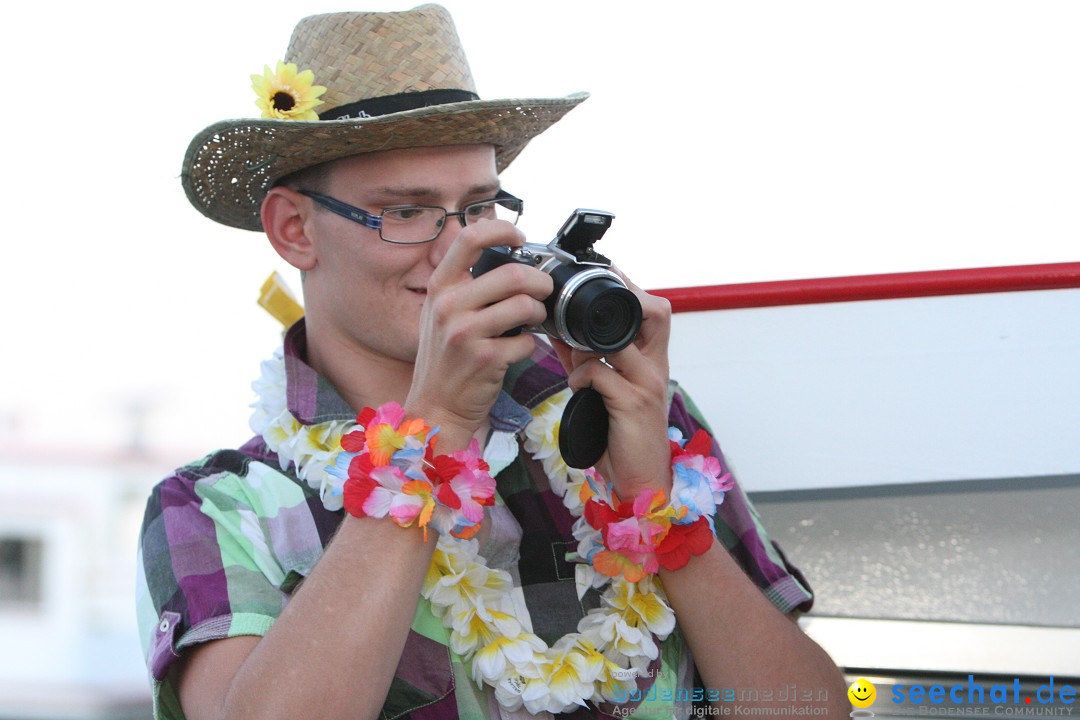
(362, 377)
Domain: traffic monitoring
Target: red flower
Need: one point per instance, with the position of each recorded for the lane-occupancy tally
(359, 485)
(355, 441)
(700, 444)
(599, 515)
(682, 541)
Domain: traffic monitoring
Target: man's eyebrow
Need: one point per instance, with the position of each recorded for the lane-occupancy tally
(402, 192)
(486, 189)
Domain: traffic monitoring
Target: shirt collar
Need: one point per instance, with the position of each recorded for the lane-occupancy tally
(312, 399)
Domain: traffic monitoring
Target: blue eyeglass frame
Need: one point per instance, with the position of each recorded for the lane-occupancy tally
(369, 220)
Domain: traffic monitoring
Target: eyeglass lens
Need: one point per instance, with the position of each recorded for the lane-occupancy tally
(416, 223)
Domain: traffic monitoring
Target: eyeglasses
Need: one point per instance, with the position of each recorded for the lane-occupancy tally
(413, 224)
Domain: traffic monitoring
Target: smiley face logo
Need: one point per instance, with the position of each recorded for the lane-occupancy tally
(862, 693)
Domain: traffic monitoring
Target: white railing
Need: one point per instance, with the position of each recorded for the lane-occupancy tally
(913, 377)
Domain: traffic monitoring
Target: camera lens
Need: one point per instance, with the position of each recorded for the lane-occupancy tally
(607, 318)
(603, 315)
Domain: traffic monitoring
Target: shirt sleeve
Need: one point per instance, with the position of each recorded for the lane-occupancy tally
(739, 527)
(211, 564)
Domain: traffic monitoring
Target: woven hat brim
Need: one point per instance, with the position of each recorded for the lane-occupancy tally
(230, 165)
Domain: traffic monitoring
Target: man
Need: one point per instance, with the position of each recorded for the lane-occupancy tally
(261, 598)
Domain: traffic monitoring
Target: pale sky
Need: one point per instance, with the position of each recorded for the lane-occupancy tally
(733, 141)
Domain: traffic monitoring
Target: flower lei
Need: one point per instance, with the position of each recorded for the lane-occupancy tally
(620, 544)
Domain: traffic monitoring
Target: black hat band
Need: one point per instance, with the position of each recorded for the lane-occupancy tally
(389, 104)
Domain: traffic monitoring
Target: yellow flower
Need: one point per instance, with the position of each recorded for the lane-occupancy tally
(282, 432)
(571, 680)
(503, 653)
(642, 607)
(286, 94)
(468, 632)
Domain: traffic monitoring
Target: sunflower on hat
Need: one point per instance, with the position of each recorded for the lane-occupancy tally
(286, 94)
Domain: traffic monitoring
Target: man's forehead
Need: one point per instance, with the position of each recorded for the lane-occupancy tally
(410, 157)
(418, 171)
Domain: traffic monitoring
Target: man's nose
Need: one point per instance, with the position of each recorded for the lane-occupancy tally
(437, 248)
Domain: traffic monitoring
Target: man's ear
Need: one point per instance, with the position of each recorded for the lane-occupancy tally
(284, 215)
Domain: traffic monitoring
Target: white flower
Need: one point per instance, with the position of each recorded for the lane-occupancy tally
(508, 689)
(613, 632)
(537, 696)
(590, 540)
(501, 450)
(319, 445)
(281, 435)
(542, 438)
(586, 578)
(567, 678)
(332, 496)
(270, 392)
(458, 585)
(572, 494)
(641, 605)
(493, 660)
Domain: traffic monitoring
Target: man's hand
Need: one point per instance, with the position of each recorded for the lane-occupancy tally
(634, 385)
(462, 357)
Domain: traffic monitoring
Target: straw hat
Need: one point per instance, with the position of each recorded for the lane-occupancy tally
(393, 80)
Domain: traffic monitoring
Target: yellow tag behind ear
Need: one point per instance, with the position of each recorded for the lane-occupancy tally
(276, 298)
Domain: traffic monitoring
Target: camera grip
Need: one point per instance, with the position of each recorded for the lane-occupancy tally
(490, 259)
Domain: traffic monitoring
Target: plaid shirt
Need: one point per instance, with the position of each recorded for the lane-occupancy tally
(226, 540)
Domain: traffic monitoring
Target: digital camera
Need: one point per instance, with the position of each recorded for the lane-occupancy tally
(590, 307)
